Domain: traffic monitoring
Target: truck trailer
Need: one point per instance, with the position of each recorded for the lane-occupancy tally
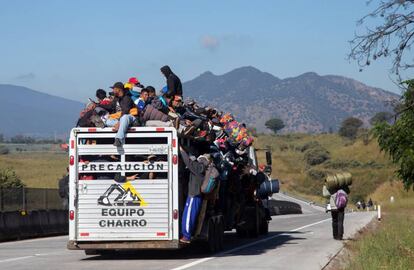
(132, 197)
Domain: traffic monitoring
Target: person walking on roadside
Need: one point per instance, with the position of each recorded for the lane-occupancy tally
(174, 85)
(338, 200)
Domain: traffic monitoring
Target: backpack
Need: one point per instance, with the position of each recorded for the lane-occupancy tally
(210, 179)
(90, 119)
(341, 199)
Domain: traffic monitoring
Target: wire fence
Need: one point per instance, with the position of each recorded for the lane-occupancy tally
(29, 199)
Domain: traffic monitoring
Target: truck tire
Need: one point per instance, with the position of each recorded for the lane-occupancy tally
(254, 230)
(212, 236)
(241, 232)
(219, 233)
(264, 226)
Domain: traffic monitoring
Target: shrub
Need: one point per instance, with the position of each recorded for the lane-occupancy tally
(316, 174)
(309, 145)
(9, 179)
(342, 164)
(317, 155)
(283, 147)
(4, 150)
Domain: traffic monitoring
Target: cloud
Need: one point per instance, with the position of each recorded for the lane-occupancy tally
(209, 42)
(26, 77)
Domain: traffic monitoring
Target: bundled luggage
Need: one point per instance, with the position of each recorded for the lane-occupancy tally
(236, 132)
(338, 181)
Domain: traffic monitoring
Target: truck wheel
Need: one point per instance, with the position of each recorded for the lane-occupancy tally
(241, 232)
(264, 226)
(219, 234)
(212, 237)
(254, 231)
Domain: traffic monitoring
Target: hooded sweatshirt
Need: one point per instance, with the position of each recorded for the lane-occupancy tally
(173, 82)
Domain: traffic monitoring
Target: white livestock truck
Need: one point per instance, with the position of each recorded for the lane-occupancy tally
(131, 197)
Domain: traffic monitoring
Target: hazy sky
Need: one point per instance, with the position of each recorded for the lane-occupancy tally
(71, 48)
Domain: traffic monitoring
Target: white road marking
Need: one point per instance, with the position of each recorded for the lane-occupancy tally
(27, 257)
(33, 240)
(186, 266)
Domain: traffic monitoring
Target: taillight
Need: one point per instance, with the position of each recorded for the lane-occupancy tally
(72, 144)
(71, 160)
(174, 143)
(160, 129)
(91, 129)
(71, 215)
(175, 214)
(175, 159)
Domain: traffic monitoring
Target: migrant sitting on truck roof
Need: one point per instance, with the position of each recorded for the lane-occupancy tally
(217, 191)
(122, 113)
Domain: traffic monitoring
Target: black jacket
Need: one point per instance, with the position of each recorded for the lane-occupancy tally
(197, 171)
(173, 82)
(125, 104)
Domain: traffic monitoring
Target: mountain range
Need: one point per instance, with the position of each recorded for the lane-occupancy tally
(307, 103)
(31, 113)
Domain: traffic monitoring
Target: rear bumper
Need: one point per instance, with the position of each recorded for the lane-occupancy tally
(173, 244)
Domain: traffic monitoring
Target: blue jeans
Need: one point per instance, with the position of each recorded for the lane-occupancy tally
(190, 215)
(125, 121)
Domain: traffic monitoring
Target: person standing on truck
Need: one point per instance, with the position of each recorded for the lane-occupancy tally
(174, 85)
(197, 168)
(120, 109)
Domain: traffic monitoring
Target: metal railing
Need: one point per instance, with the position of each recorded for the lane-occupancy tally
(29, 199)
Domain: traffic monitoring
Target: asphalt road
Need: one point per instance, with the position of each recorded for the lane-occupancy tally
(294, 242)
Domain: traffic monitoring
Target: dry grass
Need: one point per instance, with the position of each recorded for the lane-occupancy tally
(289, 165)
(391, 244)
(41, 170)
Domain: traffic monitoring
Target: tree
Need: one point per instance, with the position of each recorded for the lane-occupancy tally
(397, 139)
(349, 127)
(275, 124)
(22, 139)
(387, 33)
(381, 117)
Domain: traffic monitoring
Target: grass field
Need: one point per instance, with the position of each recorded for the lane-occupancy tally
(43, 169)
(369, 167)
(390, 245)
(39, 169)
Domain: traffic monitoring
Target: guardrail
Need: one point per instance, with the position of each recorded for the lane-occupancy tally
(31, 212)
(302, 199)
(279, 207)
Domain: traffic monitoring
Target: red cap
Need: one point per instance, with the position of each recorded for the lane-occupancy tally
(133, 80)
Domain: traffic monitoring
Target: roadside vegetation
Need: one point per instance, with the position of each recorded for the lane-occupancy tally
(38, 169)
(301, 162)
(388, 244)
